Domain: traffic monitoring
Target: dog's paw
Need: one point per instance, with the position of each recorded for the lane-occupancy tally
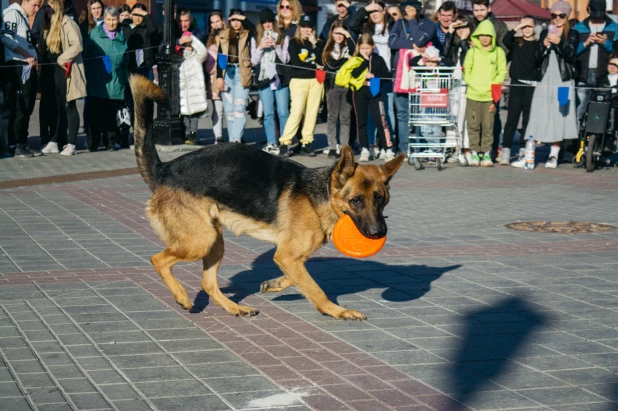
(242, 311)
(271, 286)
(185, 303)
(351, 315)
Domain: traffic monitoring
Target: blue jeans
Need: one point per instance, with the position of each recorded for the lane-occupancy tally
(235, 103)
(403, 117)
(268, 98)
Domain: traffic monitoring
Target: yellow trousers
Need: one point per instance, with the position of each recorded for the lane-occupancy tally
(306, 95)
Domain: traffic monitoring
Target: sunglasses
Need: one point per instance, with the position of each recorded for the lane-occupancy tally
(558, 16)
(286, 7)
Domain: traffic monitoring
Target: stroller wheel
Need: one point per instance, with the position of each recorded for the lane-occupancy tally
(417, 164)
(439, 164)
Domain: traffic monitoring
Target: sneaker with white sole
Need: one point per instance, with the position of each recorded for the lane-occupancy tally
(468, 157)
(364, 155)
(486, 161)
(69, 150)
(338, 149)
(388, 155)
(551, 162)
(461, 159)
(519, 163)
(474, 159)
(505, 159)
(268, 147)
(50, 148)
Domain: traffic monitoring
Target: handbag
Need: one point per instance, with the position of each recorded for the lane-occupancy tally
(255, 75)
(123, 117)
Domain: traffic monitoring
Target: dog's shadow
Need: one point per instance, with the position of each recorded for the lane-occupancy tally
(337, 276)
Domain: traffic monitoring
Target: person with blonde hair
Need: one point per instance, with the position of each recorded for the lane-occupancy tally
(216, 24)
(289, 16)
(62, 44)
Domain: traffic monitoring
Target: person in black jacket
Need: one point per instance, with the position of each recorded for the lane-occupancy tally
(524, 75)
(457, 40)
(344, 11)
(339, 47)
(609, 83)
(141, 35)
(365, 101)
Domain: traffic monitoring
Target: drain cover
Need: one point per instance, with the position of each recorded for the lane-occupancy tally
(560, 227)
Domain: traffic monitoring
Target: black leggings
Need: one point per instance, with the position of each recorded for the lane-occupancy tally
(102, 120)
(67, 111)
(520, 98)
(364, 104)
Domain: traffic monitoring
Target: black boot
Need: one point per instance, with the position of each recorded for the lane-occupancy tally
(191, 138)
(307, 150)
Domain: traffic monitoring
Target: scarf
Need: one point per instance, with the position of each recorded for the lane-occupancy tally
(110, 34)
(336, 53)
(267, 62)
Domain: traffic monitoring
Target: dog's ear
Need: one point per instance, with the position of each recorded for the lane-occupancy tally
(391, 167)
(345, 167)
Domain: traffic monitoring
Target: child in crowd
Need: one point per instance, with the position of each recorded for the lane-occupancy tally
(192, 84)
(484, 66)
(339, 47)
(524, 75)
(306, 91)
(368, 99)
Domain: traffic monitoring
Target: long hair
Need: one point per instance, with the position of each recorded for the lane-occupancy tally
(298, 36)
(330, 43)
(259, 32)
(370, 26)
(212, 35)
(365, 38)
(53, 33)
(297, 11)
(87, 14)
(520, 40)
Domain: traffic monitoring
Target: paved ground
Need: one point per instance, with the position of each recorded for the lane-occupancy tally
(461, 310)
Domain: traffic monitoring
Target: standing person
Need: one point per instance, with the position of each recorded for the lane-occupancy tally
(305, 91)
(192, 84)
(445, 14)
(234, 80)
(63, 46)
(125, 13)
(216, 24)
(485, 66)
(596, 35)
(91, 17)
(344, 11)
(338, 49)
(20, 58)
(269, 49)
(394, 12)
(289, 16)
(107, 71)
(414, 31)
(365, 102)
(141, 35)
(524, 75)
(552, 119)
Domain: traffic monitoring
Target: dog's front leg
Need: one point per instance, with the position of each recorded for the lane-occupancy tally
(295, 271)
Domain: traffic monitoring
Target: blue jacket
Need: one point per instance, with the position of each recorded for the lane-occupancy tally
(405, 34)
(583, 53)
(326, 28)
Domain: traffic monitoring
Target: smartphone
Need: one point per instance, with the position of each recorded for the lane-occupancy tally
(552, 29)
(267, 34)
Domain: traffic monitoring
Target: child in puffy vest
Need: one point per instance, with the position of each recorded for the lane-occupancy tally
(192, 84)
(368, 100)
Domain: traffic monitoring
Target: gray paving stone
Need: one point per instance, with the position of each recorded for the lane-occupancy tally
(16, 354)
(35, 381)
(15, 404)
(179, 388)
(560, 395)
(65, 371)
(143, 361)
(27, 366)
(131, 348)
(206, 357)
(240, 384)
(55, 407)
(119, 392)
(90, 401)
(203, 402)
(157, 374)
(131, 405)
(76, 386)
(9, 389)
(229, 369)
(47, 395)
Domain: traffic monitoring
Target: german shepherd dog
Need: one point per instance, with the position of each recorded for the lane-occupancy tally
(252, 192)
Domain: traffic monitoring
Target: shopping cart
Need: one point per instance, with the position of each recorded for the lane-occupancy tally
(434, 108)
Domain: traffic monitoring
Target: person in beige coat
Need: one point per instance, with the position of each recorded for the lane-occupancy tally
(63, 45)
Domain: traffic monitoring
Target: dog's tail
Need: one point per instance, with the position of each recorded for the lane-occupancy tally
(145, 94)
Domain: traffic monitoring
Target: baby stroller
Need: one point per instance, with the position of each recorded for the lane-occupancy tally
(598, 135)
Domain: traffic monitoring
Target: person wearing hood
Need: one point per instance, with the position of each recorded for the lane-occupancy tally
(553, 117)
(414, 31)
(20, 58)
(192, 84)
(484, 67)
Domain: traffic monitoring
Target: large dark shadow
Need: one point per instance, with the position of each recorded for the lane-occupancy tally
(482, 354)
(336, 276)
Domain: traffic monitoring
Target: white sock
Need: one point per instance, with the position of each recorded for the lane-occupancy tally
(554, 151)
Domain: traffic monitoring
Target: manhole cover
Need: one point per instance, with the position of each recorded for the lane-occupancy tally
(560, 227)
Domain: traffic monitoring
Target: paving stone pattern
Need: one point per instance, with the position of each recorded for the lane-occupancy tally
(461, 310)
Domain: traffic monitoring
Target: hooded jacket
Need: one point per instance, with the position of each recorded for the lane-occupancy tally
(499, 26)
(583, 53)
(565, 53)
(192, 83)
(406, 34)
(16, 33)
(482, 68)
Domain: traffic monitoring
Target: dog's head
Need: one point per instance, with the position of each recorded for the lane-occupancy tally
(361, 191)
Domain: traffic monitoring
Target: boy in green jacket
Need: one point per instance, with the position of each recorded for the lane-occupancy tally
(484, 65)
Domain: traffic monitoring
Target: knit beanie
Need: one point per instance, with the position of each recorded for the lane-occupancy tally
(561, 7)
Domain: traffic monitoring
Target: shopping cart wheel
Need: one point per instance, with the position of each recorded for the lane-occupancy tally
(439, 164)
(463, 163)
(411, 161)
(417, 164)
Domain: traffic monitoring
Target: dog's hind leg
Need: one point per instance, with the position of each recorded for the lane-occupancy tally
(275, 285)
(210, 284)
(163, 263)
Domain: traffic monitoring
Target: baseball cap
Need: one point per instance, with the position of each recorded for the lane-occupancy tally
(306, 21)
(597, 9)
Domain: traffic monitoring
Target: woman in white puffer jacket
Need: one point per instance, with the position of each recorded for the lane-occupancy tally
(192, 84)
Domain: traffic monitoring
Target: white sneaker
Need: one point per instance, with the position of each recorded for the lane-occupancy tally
(468, 157)
(364, 156)
(474, 159)
(338, 149)
(275, 150)
(380, 154)
(69, 150)
(519, 163)
(388, 155)
(461, 158)
(552, 162)
(268, 147)
(505, 159)
(50, 148)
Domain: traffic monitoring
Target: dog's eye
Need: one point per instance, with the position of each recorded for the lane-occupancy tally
(378, 196)
(356, 201)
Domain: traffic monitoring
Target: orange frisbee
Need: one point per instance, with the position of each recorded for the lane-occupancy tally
(351, 242)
